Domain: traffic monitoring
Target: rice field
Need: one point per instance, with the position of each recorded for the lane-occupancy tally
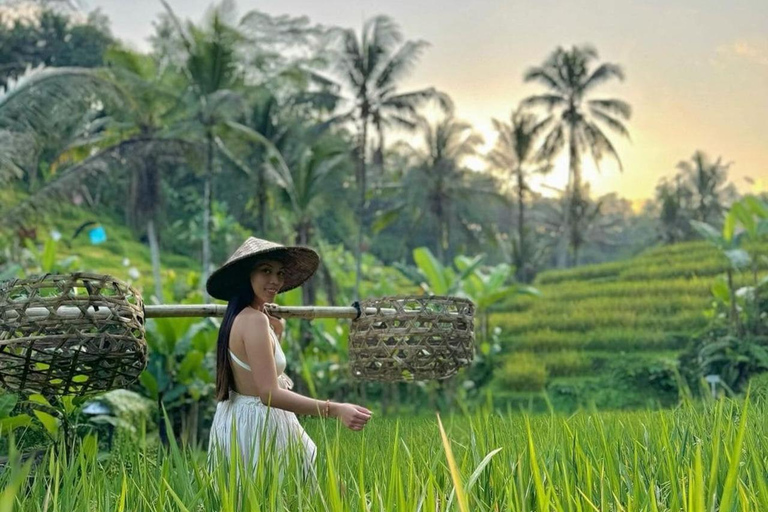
(695, 458)
(646, 308)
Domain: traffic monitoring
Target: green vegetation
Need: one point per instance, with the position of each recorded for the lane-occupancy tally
(693, 459)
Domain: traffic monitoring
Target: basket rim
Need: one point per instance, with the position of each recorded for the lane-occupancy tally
(9, 284)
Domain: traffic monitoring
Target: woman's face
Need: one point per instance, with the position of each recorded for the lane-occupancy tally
(267, 278)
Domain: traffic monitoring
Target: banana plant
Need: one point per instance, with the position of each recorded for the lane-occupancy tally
(45, 259)
(746, 222)
(179, 373)
(57, 418)
(740, 348)
(485, 286)
(433, 277)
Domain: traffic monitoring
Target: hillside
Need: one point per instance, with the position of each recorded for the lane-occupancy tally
(121, 255)
(607, 334)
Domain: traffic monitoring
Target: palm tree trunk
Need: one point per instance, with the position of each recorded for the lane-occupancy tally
(330, 287)
(440, 216)
(575, 250)
(154, 251)
(309, 290)
(261, 199)
(361, 207)
(207, 216)
(574, 183)
(523, 251)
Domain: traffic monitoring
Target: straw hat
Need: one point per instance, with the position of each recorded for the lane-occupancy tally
(299, 264)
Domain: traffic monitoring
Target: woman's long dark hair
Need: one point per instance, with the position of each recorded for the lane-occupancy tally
(224, 378)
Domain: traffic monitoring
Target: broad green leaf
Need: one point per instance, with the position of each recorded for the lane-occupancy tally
(756, 206)
(709, 233)
(493, 297)
(48, 260)
(432, 269)
(745, 217)
(499, 274)
(14, 422)
(68, 401)
(529, 290)
(189, 365)
(51, 423)
(150, 384)
(720, 291)
(205, 340)
(39, 399)
(7, 402)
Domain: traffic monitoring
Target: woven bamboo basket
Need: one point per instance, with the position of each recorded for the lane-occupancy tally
(405, 338)
(82, 354)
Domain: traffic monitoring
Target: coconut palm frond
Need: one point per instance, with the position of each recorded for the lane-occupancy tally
(612, 106)
(401, 63)
(550, 101)
(599, 144)
(54, 93)
(602, 74)
(546, 77)
(114, 158)
(611, 122)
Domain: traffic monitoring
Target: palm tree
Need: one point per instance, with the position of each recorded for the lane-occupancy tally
(312, 162)
(515, 154)
(707, 182)
(369, 68)
(576, 122)
(153, 93)
(674, 199)
(214, 77)
(439, 190)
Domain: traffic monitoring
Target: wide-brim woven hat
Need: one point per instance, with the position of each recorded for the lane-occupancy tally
(299, 264)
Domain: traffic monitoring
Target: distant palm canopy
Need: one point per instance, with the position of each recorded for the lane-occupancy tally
(576, 122)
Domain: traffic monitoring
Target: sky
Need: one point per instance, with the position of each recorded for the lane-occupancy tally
(696, 70)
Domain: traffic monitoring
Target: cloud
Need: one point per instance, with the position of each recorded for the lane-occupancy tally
(753, 49)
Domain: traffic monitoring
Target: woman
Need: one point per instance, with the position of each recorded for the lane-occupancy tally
(254, 395)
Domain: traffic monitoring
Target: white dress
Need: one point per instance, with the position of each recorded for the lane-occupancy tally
(253, 419)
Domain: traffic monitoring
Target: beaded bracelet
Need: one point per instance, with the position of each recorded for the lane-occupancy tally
(327, 408)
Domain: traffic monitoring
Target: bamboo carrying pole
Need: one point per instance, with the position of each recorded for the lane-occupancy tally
(197, 310)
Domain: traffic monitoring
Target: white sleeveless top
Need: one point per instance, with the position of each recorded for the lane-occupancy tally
(282, 379)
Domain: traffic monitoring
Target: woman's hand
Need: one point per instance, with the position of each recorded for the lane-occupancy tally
(278, 322)
(352, 416)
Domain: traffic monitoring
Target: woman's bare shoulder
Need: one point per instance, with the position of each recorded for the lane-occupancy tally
(251, 317)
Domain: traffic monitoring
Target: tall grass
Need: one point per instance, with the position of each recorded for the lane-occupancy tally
(694, 459)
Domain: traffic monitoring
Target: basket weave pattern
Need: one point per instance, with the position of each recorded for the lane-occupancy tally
(80, 356)
(412, 338)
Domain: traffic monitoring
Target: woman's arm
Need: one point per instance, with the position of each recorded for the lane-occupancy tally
(261, 358)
